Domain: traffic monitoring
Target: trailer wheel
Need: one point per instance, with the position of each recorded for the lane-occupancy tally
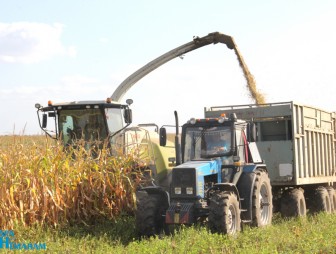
(224, 213)
(262, 207)
(148, 215)
(321, 201)
(293, 203)
(332, 196)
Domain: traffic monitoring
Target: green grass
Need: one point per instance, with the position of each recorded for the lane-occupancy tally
(314, 234)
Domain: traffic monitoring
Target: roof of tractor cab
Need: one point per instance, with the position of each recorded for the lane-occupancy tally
(213, 121)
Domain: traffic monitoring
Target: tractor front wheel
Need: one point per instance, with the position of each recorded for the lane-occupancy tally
(224, 213)
(148, 215)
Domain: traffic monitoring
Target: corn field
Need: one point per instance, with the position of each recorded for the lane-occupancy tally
(41, 184)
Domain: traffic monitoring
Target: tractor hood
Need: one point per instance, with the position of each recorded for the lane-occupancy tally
(186, 175)
(204, 167)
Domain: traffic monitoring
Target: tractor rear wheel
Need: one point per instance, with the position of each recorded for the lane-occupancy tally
(224, 213)
(148, 215)
(262, 206)
(293, 203)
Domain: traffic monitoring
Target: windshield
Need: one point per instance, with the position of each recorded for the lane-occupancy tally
(82, 124)
(207, 142)
(114, 119)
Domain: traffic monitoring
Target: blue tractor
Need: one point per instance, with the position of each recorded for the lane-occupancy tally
(219, 179)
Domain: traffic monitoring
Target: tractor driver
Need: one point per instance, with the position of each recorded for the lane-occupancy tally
(217, 143)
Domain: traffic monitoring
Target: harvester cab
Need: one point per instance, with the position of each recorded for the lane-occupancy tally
(90, 121)
(221, 179)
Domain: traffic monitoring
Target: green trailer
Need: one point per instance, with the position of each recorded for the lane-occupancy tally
(297, 143)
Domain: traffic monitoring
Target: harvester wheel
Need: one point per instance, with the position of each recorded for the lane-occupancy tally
(148, 215)
(332, 196)
(293, 203)
(224, 213)
(262, 206)
(321, 200)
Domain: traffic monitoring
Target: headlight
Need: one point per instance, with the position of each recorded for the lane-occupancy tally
(189, 190)
(178, 190)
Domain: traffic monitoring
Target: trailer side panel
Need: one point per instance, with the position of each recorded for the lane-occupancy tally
(297, 142)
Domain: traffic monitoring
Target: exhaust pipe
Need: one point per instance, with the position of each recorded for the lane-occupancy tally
(177, 141)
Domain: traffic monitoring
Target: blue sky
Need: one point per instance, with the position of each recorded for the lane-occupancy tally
(82, 50)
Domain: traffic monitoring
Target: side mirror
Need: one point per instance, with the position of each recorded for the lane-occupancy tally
(251, 132)
(128, 115)
(163, 136)
(44, 121)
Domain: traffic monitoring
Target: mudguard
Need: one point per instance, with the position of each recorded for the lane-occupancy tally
(224, 187)
(252, 167)
(151, 190)
(245, 188)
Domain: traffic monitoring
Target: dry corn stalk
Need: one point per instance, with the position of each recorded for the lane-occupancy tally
(42, 184)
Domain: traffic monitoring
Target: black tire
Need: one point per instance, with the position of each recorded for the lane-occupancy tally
(262, 206)
(293, 203)
(332, 196)
(148, 215)
(224, 213)
(321, 201)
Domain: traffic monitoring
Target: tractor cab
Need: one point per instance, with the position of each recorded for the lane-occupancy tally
(224, 138)
(203, 141)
